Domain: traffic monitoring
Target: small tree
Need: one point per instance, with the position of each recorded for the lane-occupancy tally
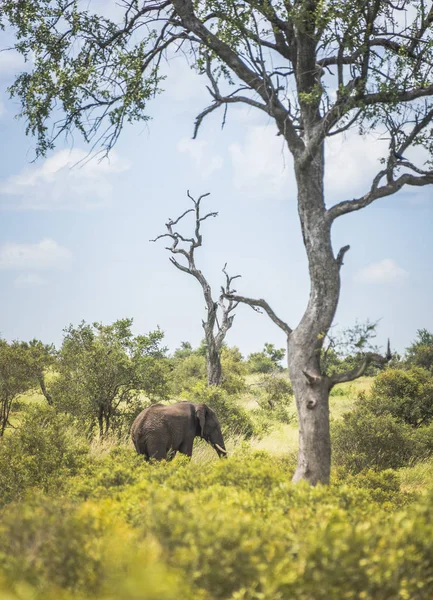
(102, 367)
(420, 352)
(41, 357)
(267, 360)
(16, 377)
(215, 329)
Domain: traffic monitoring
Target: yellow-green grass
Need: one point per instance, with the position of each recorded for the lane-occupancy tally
(417, 478)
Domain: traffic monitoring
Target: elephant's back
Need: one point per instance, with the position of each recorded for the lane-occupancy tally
(143, 420)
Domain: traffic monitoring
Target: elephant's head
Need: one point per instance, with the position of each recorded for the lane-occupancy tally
(209, 428)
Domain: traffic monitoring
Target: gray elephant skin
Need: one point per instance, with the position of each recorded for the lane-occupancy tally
(160, 431)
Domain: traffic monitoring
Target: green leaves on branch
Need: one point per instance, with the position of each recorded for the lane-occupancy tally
(103, 369)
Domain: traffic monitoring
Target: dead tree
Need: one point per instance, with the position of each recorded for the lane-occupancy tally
(215, 329)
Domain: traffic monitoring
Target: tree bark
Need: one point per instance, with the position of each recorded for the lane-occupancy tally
(101, 422)
(310, 387)
(213, 361)
(44, 390)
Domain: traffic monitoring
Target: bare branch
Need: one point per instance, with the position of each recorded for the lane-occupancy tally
(341, 254)
(370, 357)
(260, 304)
(393, 186)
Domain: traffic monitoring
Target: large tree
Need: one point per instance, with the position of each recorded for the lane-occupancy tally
(316, 67)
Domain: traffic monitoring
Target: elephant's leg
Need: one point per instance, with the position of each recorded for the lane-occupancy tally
(186, 447)
(156, 451)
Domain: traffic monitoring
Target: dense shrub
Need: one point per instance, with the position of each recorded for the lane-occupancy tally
(420, 353)
(406, 395)
(266, 361)
(365, 440)
(44, 450)
(423, 442)
(57, 547)
(233, 371)
(226, 530)
(274, 396)
(187, 372)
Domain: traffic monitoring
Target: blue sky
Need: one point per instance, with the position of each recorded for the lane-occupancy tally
(74, 240)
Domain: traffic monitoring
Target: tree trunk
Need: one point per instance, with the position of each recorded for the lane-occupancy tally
(214, 370)
(44, 390)
(310, 387)
(101, 422)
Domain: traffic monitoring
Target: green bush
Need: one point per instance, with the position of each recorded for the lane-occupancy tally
(364, 440)
(45, 450)
(406, 395)
(187, 372)
(420, 353)
(423, 442)
(384, 486)
(233, 370)
(233, 529)
(275, 397)
(65, 551)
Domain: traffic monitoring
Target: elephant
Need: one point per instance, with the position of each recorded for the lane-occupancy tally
(160, 431)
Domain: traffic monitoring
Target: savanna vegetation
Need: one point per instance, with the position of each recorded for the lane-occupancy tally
(84, 517)
(317, 69)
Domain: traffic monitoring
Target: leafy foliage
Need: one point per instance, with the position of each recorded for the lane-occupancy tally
(17, 375)
(41, 453)
(266, 361)
(390, 426)
(275, 396)
(420, 352)
(406, 395)
(365, 440)
(224, 529)
(103, 368)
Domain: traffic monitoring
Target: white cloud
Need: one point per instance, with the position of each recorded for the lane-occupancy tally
(29, 280)
(68, 179)
(385, 271)
(44, 255)
(352, 161)
(261, 166)
(11, 62)
(201, 154)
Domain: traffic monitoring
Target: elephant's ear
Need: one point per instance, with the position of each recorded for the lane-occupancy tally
(200, 411)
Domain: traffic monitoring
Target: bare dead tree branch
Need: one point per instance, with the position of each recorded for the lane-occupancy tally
(257, 305)
(341, 254)
(215, 329)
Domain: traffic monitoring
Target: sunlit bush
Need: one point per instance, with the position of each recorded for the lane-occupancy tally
(42, 452)
(364, 440)
(406, 395)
